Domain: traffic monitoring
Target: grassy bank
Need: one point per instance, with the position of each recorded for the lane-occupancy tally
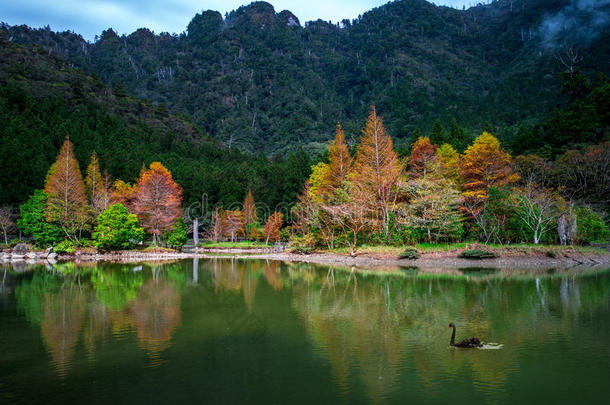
(501, 250)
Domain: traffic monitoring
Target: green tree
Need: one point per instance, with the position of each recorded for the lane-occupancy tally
(438, 135)
(117, 229)
(591, 226)
(178, 236)
(33, 221)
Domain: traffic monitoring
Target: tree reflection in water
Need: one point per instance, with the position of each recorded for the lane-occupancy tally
(379, 331)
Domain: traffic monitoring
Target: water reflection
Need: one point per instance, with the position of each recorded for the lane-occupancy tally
(382, 334)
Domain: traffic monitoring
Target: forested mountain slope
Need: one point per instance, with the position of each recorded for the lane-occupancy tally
(260, 81)
(42, 100)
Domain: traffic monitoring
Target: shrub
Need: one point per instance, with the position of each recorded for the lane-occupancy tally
(254, 231)
(286, 234)
(34, 222)
(477, 254)
(117, 229)
(409, 253)
(65, 247)
(591, 226)
(177, 238)
(302, 244)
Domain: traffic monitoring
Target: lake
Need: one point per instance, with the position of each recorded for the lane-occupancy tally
(253, 331)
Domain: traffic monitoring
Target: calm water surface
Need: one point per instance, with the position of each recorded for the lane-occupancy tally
(228, 331)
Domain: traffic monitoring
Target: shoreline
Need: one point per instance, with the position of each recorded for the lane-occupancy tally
(366, 260)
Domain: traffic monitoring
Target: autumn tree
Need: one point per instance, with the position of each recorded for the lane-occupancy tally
(96, 185)
(316, 182)
(423, 159)
(434, 208)
(339, 166)
(272, 227)
(232, 223)
(157, 200)
(216, 230)
(483, 165)
(449, 162)
(377, 169)
(353, 216)
(122, 193)
(249, 209)
(64, 186)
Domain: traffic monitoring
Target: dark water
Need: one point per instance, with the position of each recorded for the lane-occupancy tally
(222, 331)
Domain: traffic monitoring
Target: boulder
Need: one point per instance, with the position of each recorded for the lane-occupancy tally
(20, 249)
(52, 256)
(30, 255)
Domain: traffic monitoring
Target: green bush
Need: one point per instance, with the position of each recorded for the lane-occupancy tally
(591, 226)
(117, 229)
(65, 247)
(477, 254)
(285, 234)
(33, 221)
(410, 253)
(302, 244)
(177, 238)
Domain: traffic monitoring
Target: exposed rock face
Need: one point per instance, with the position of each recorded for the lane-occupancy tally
(20, 249)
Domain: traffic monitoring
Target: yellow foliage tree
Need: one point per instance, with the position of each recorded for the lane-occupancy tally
(449, 162)
(485, 164)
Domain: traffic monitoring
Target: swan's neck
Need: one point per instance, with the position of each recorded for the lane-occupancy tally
(452, 337)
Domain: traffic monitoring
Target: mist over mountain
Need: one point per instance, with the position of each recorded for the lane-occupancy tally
(260, 80)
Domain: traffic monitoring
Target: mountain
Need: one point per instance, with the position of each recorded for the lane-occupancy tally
(260, 81)
(43, 100)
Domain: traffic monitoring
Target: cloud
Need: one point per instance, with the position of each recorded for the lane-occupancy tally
(580, 22)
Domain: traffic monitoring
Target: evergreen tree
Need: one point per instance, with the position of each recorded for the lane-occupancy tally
(438, 135)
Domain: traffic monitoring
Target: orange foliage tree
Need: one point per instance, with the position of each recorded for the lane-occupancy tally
(377, 168)
(249, 211)
(272, 227)
(67, 203)
(122, 193)
(232, 223)
(423, 158)
(157, 200)
(339, 166)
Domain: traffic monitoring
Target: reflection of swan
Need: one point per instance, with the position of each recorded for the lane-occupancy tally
(466, 343)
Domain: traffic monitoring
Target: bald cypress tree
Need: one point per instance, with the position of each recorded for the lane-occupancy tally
(66, 203)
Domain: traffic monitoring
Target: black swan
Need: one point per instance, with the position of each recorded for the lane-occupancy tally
(466, 343)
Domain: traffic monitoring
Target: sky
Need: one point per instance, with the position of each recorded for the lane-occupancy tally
(91, 17)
